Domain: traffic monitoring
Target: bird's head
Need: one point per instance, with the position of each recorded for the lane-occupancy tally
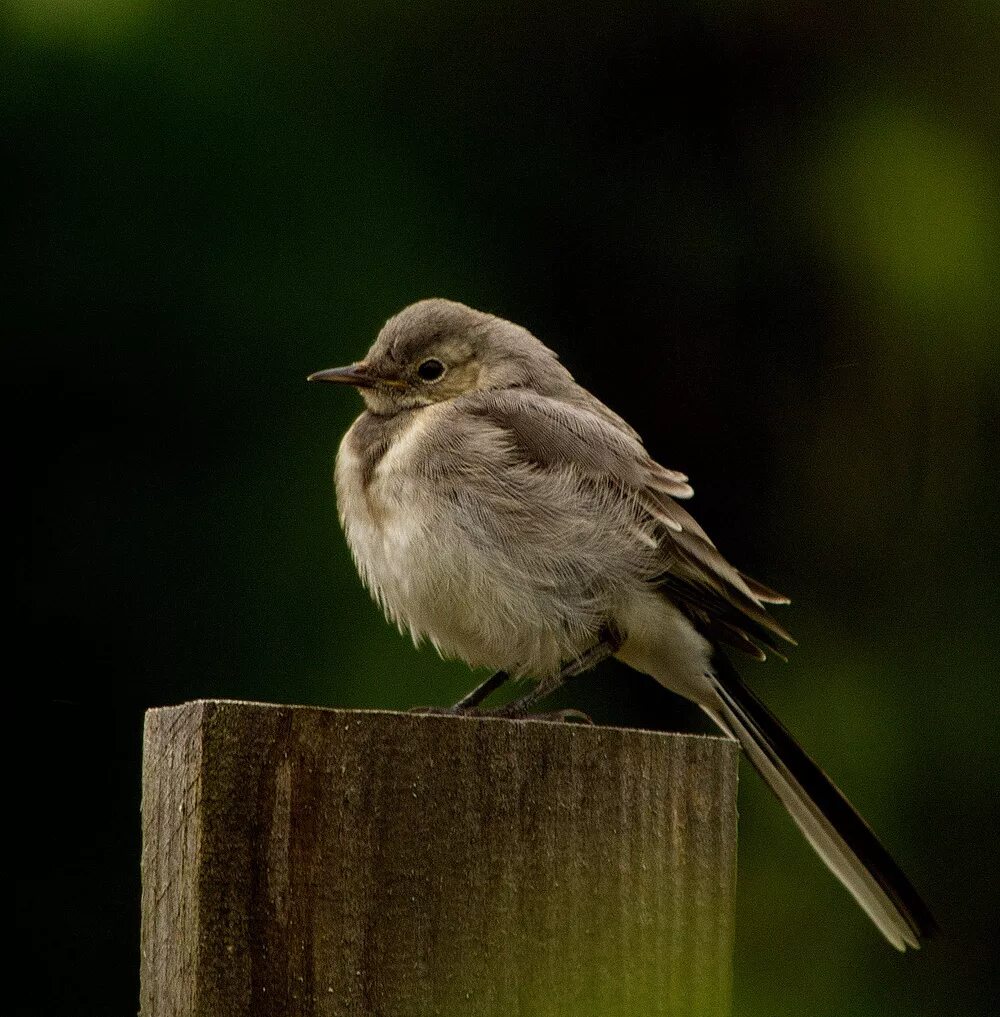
(436, 350)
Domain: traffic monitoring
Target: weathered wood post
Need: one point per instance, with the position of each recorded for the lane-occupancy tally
(303, 862)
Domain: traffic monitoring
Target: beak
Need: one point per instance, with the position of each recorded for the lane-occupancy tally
(357, 375)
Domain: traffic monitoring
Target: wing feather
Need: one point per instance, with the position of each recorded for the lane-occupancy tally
(726, 604)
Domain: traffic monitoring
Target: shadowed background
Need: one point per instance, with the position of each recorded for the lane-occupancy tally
(769, 235)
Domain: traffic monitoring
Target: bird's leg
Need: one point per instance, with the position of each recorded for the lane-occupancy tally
(484, 689)
(608, 645)
(468, 702)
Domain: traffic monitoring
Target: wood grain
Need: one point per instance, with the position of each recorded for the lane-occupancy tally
(302, 862)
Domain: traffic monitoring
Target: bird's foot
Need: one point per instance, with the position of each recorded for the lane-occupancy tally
(514, 711)
(444, 711)
(569, 716)
(511, 711)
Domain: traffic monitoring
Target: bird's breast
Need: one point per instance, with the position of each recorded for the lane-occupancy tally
(389, 511)
(379, 494)
(420, 558)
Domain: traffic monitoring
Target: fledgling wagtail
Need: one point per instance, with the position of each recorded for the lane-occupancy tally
(498, 509)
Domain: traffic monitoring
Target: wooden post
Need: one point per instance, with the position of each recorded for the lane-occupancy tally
(302, 862)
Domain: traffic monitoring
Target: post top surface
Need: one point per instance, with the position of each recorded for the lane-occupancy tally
(332, 715)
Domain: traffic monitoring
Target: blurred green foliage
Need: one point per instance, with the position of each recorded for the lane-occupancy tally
(911, 206)
(768, 234)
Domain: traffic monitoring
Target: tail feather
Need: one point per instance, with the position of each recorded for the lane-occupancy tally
(829, 822)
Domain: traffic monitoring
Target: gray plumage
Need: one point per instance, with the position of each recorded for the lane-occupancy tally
(499, 510)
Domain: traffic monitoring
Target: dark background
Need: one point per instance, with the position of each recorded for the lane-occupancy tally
(768, 234)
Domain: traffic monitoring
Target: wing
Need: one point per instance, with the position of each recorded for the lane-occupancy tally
(726, 605)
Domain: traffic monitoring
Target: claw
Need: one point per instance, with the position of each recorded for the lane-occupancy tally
(512, 711)
(563, 716)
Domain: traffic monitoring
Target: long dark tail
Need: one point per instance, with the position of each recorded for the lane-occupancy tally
(830, 823)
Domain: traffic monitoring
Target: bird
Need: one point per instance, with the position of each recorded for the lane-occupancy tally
(499, 510)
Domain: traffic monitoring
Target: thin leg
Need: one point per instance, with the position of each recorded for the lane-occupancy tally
(481, 692)
(468, 703)
(610, 642)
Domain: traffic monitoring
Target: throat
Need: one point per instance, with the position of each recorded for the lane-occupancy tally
(373, 436)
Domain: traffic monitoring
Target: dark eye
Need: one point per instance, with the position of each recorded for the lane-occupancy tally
(431, 370)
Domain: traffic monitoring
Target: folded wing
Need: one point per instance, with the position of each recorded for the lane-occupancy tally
(724, 603)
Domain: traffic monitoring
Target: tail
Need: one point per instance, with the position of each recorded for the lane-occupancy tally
(830, 823)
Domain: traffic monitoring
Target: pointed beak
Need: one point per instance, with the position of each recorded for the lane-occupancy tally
(357, 375)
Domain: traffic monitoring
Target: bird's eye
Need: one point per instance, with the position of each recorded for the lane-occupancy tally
(431, 370)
